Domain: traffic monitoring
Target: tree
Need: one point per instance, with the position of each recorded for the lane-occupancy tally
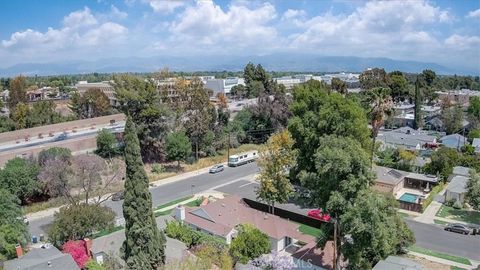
(57, 178)
(238, 91)
(18, 92)
(19, 177)
(95, 176)
(429, 76)
(339, 86)
(276, 160)
(381, 106)
(144, 246)
(249, 244)
(107, 145)
(473, 190)
(178, 147)
(139, 99)
(6, 124)
(21, 115)
(474, 111)
(93, 103)
(375, 230)
(13, 230)
(418, 119)
(316, 113)
(474, 133)
(374, 77)
(341, 168)
(442, 162)
(78, 252)
(399, 86)
(453, 119)
(43, 113)
(197, 116)
(75, 222)
(54, 153)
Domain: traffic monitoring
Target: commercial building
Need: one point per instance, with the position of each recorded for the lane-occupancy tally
(106, 87)
(223, 85)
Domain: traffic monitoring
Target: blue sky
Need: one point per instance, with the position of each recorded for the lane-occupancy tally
(42, 31)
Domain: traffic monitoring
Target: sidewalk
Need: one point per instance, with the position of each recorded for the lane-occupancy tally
(444, 261)
(429, 214)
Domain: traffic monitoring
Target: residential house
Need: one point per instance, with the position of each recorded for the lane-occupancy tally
(410, 189)
(455, 141)
(460, 170)
(460, 97)
(47, 257)
(106, 87)
(476, 144)
(221, 218)
(456, 189)
(406, 138)
(397, 263)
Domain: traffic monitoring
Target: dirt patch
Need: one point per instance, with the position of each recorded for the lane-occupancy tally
(427, 264)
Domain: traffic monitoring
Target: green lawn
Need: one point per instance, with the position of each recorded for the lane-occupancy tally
(439, 255)
(177, 201)
(310, 230)
(440, 222)
(106, 231)
(456, 268)
(163, 213)
(459, 214)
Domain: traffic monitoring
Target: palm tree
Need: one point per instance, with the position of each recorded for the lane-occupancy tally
(381, 106)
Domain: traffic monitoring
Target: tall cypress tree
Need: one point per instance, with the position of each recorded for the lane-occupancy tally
(417, 121)
(144, 245)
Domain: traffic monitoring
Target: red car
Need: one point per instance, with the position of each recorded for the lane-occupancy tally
(318, 214)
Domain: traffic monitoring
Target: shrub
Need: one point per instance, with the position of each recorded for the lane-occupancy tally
(78, 251)
(191, 238)
(457, 205)
(450, 202)
(212, 254)
(93, 265)
(190, 160)
(249, 244)
(157, 168)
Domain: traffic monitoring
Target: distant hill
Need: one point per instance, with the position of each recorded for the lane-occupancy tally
(275, 62)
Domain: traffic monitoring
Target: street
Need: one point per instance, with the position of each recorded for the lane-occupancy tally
(237, 181)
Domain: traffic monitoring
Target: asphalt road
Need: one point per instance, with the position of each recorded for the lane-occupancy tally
(168, 192)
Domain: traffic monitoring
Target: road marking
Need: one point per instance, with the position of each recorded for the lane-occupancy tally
(246, 184)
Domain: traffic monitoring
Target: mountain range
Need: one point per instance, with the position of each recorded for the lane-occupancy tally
(274, 62)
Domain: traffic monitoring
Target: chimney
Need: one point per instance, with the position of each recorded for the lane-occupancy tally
(180, 213)
(88, 246)
(19, 250)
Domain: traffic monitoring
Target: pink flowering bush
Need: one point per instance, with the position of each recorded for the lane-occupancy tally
(78, 251)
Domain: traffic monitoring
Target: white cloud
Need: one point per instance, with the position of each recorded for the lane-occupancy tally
(81, 30)
(459, 42)
(165, 6)
(81, 18)
(116, 13)
(474, 14)
(238, 26)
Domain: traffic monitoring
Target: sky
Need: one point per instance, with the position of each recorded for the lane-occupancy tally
(44, 31)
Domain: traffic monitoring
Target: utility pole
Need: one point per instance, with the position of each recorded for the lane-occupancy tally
(228, 147)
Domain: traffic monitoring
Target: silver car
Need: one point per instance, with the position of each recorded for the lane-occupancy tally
(217, 168)
(458, 228)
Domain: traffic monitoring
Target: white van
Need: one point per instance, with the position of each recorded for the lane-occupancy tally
(242, 158)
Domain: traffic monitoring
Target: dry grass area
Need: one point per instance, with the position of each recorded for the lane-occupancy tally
(171, 168)
(428, 265)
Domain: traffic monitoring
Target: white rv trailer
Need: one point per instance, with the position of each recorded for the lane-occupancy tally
(242, 158)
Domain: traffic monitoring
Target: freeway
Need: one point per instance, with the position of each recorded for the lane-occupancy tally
(169, 192)
(238, 181)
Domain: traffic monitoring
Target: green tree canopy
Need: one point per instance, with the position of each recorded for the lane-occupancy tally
(375, 230)
(474, 111)
(374, 77)
(473, 190)
(107, 145)
(144, 246)
(18, 92)
(178, 146)
(316, 113)
(19, 177)
(93, 103)
(249, 243)
(78, 221)
(54, 153)
(12, 228)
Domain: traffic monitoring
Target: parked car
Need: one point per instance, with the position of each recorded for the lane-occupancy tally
(118, 196)
(458, 228)
(217, 168)
(318, 214)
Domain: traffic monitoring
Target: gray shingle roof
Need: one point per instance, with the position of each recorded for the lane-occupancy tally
(406, 137)
(397, 263)
(458, 184)
(389, 176)
(40, 258)
(460, 170)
